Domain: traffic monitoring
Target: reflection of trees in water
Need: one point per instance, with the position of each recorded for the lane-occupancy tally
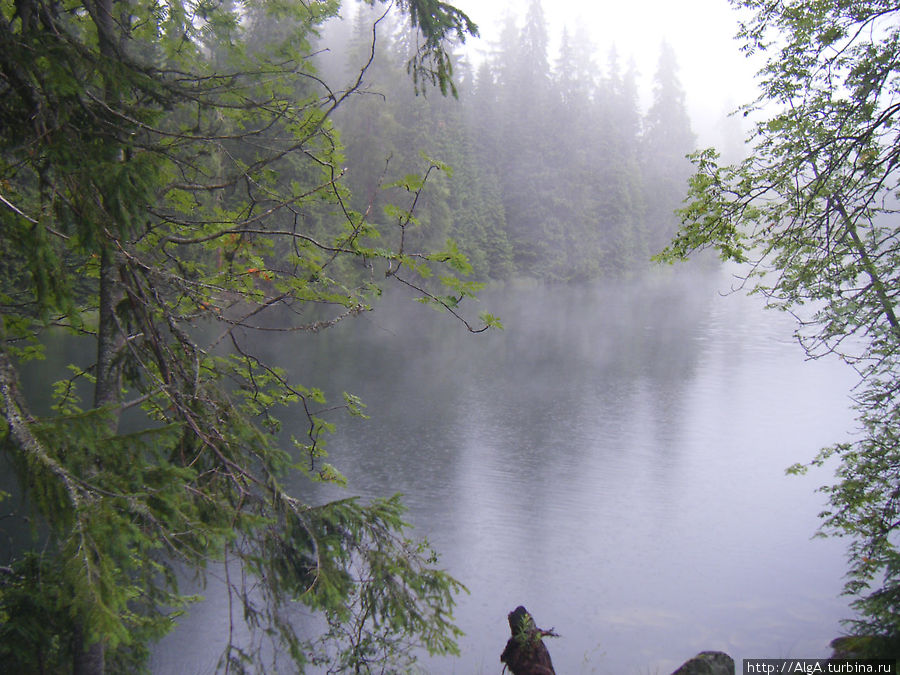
(568, 353)
(561, 445)
(575, 367)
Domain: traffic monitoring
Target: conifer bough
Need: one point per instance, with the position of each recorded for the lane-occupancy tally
(170, 186)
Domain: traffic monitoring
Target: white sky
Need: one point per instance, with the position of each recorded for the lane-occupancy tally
(715, 74)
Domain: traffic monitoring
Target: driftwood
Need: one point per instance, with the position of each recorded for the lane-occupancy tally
(526, 653)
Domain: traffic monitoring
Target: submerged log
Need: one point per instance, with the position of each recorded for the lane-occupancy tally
(526, 653)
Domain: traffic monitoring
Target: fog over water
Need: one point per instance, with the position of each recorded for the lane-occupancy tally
(613, 460)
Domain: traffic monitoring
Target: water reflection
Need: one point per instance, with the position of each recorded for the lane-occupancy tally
(613, 460)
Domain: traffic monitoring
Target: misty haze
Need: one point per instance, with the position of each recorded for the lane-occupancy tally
(614, 458)
(227, 227)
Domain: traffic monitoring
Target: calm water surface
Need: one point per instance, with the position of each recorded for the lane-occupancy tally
(614, 460)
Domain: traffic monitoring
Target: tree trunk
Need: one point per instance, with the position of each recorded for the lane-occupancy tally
(109, 339)
(90, 659)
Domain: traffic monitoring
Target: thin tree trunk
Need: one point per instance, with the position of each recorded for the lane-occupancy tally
(90, 659)
(109, 340)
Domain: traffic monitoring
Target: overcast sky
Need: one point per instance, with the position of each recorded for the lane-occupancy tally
(714, 72)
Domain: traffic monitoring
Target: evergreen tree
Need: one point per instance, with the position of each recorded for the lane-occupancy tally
(171, 184)
(527, 180)
(575, 192)
(533, 71)
(483, 115)
(622, 178)
(667, 141)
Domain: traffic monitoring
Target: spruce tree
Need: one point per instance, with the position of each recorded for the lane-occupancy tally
(667, 141)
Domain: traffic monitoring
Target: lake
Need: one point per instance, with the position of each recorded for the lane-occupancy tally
(613, 460)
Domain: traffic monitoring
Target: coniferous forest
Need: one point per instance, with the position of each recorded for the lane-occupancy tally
(555, 171)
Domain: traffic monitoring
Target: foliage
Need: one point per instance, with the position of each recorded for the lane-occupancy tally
(171, 187)
(814, 213)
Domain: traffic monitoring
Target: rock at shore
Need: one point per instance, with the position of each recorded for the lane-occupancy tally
(708, 663)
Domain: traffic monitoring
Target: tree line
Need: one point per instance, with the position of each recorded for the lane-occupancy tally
(557, 172)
